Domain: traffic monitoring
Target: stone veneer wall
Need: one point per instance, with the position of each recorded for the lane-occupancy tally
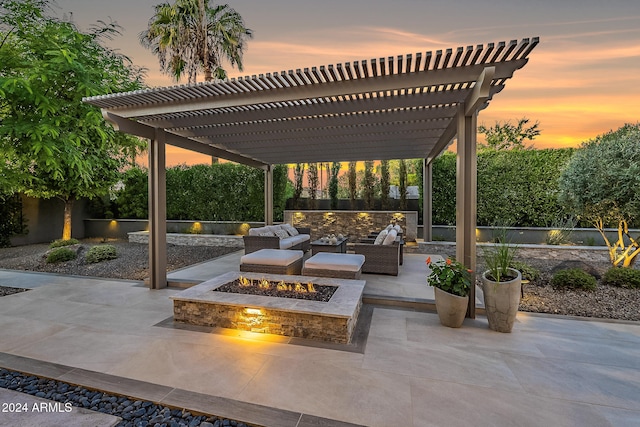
(291, 324)
(191, 239)
(354, 224)
(524, 251)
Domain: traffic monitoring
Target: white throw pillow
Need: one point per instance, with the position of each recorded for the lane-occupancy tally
(381, 237)
(391, 237)
(290, 229)
(281, 234)
(398, 228)
(389, 227)
(266, 233)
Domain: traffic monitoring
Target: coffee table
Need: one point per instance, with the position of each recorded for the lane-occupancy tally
(326, 246)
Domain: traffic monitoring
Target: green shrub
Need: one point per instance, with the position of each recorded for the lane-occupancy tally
(101, 253)
(60, 243)
(574, 278)
(622, 277)
(61, 255)
(528, 272)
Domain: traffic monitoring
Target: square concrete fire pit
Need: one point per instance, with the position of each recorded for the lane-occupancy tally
(332, 321)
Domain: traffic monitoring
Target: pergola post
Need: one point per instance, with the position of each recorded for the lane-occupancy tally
(268, 195)
(466, 195)
(157, 211)
(427, 200)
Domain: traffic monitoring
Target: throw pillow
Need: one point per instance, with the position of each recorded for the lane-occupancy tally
(397, 228)
(282, 234)
(381, 237)
(290, 229)
(391, 237)
(266, 234)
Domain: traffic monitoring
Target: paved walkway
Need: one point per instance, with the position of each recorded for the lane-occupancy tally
(410, 372)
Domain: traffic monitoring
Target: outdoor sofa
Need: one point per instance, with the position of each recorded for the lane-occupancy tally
(283, 236)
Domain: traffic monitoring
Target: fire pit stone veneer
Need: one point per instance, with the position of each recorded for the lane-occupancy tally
(332, 321)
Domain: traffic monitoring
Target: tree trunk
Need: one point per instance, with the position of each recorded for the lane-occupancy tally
(68, 208)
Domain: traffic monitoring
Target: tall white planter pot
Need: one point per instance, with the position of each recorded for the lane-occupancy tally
(501, 301)
(451, 308)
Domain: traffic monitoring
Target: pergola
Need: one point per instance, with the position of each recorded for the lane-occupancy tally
(402, 107)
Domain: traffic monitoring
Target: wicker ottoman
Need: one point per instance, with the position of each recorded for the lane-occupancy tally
(272, 261)
(340, 266)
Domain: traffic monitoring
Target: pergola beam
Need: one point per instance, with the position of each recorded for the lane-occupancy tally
(394, 82)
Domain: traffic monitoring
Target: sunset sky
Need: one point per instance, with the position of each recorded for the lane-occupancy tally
(582, 80)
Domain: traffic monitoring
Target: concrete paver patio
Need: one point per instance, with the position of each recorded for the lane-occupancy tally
(411, 372)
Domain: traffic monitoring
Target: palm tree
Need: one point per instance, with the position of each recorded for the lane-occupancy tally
(191, 36)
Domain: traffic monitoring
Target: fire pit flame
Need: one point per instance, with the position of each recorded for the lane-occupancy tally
(264, 284)
(280, 286)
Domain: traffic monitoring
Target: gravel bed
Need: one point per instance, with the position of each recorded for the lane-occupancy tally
(132, 262)
(134, 413)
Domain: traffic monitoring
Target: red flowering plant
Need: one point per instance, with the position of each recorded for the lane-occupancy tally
(450, 276)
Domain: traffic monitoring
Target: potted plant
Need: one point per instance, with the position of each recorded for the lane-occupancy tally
(452, 282)
(501, 286)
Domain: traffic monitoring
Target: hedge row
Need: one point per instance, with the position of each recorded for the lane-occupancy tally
(218, 192)
(515, 187)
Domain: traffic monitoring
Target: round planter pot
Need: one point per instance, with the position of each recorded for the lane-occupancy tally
(451, 308)
(501, 301)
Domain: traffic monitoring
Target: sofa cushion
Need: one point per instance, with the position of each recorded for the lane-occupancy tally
(391, 237)
(397, 228)
(380, 238)
(287, 243)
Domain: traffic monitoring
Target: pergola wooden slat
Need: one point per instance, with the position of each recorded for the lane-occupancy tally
(409, 106)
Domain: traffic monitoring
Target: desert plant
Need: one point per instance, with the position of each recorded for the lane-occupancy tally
(61, 255)
(312, 180)
(622, 277)
(562, 230)
(333, 184)
(574, 278)
(499, 257)
(63, 242)
(528, 272)
(101, 253)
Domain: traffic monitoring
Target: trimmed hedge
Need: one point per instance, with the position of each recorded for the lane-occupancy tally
(61, 243)
(622, 277)
(574, 278)
(101, 253)
(217, 192)
(61, 255)
(515, 187)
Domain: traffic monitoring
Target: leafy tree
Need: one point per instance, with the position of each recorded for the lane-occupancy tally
(402, 188)
(504, 136)
(385, 184)
(11, 220)
(312, 180)
(298, 174)
(368, 185)
(352, 178)
(602, 183)
(54, 144)
(333, 184)
(191, 36)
